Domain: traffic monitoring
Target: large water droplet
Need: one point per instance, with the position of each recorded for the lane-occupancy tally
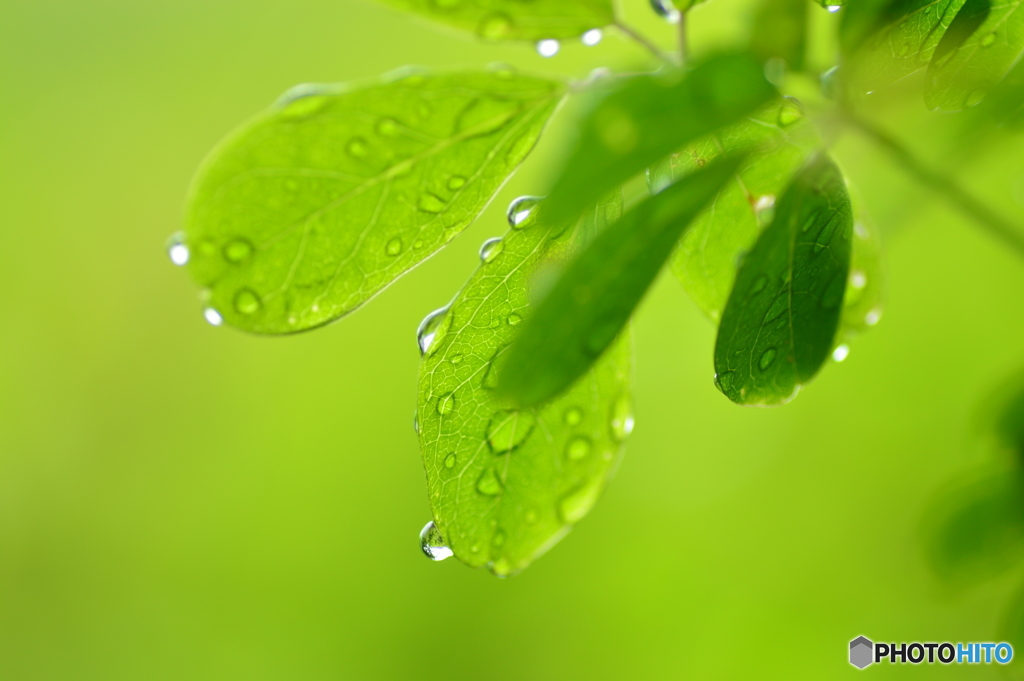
(521, 210)
(491, 249)
(430, 203)
(622, 418)
(246, 301)
(666, 10)
(508, 429)
(841, 352)
(577, 503)
(834, 8)
(577, 448)
(495, 26)
(592, 37)
(446, 404)
(177, 251)
(433, 544)
(767, 358)
(548, 47)
(431, 329)
(456, 182)
(237, 250)
(393, 247)
(213, 317)
(489, 484)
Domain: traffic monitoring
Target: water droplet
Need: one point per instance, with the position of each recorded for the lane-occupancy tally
(548, 47)
(841, 352)
(446, 404)
(592, 37)
(246, 301)
(779, 306)
(177, 251)
(450, 460)
(456, 182)
(431, 329)
(724, 381)
(495, 26)
(860, 230)
(759, 284)
(237, 250)
(489, 484)
(989, 40)
(431, 203)
(456, 358)
(491, 249)
(213, 317)
(577, 448)
(873, 317)
(767, 357)
(514, 319)
(858, 279)
(790, 112)
(666, 10)
(578, 502)
(974, 98)
(764, 208)
(521, 210)
(433, 543)
(572, 416)
(508, 429)
(622, 418)
(357, 147)
(834, 8)
(499, 538)
(387, 127)
(393, 247)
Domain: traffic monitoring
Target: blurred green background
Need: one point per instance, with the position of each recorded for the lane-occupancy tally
(182, 501)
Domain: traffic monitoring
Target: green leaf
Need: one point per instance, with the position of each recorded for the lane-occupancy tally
(780, 31)
(649, 117)
(595, 296)
(506, 484)
(884, 41)
(781, 139)
(1005, 104)
(779, 324)
(979, 48)
(316, 205)
(515, 19)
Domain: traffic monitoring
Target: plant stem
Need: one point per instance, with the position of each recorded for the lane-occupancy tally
(642, 40)
(684, 44)
(954, 193)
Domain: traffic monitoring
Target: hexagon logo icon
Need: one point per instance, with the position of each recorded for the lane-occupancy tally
(861, 650)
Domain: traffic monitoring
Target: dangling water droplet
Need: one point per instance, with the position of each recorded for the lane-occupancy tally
(841, 352)
(666, 10)
(767, 357)
(858, 279)
(177, 251)
(450, 460)
(764, 208)
(387, 127)
(416, 421)
(572, 416)
(548, 47)
(393, 247)
(724, 381)
(577, 503)
(834, 8)
(430, 203)
(514, 319)
(491, 249)
(873, 317)
(433, 544)
(521, 210)
(213, 317)
(446, 404)
(237, 250)
(622, 418)
(429, 328)
(246, 301)
(456, 182)
(577, 448)
(489, 484)
(592, 37)
(508, 429)
(495, 26)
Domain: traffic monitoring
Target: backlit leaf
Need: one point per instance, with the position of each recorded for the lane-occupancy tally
(316, 205)
(595, 296)
(782, 315)
(648, 117)
(515, 19)
(505, 484)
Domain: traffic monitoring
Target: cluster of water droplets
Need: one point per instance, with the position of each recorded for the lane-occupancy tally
(549, 47)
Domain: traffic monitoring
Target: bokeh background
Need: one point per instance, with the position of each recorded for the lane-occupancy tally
(182, 501)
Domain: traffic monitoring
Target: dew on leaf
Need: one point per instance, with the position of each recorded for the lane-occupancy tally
(237, 250)
(393, 247)
(489, 484)
(520, 210)
(430, 203)
(841, 352)
(433, 544)
(446, 404)
(450, 460)
(357, 147)
(858, 279)
(989, 40)
(177, 251)
(499, 538)
(622, 418)
(592, 37)
(495, 26)
(872, 317)
(577, 448)
(456, 182)
(416, 422)
(491, 249)
(247, 302)
(577, 503)
(572, 416)
(548, 47)
(514, 319)
(508, 429)
(834, 8)
(789, 113)
(387, 127)
(431, 329)
(767, 358)
(213, 317)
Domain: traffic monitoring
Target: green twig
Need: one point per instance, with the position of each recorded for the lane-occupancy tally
(684, 43)
(642, 40)
(953, 192)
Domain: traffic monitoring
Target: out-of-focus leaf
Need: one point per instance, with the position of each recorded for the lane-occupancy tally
(885, 40)
(515, 19)
(779, 139)
(506, 484)
(595, 296)
(976, 530)
(649, 117)
(315, 206)
(981, 44)
(1005, 104)
(864, 300)
(778, 326)
(780, 31)
(829, 4)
